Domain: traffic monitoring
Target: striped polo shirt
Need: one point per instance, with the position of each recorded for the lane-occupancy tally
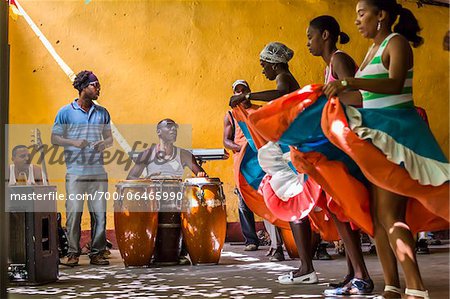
(376, 70)
(72, 122)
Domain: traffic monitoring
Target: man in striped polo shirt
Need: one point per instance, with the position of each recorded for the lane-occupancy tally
(83, 129)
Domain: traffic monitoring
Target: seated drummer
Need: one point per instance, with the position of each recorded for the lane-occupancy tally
(166, 160)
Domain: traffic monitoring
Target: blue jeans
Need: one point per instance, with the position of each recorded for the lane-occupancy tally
(247, 220)
(76, 186)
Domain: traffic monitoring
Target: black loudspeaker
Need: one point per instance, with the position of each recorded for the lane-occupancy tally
(33, 246)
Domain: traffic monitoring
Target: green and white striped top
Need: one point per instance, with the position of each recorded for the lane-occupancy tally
(376, 70)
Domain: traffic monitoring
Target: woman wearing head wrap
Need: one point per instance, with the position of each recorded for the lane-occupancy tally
(274, 60)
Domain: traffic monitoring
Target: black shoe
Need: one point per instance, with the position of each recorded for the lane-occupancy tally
(278, 256)
(435, 242)
(422, 247)
(322, 253)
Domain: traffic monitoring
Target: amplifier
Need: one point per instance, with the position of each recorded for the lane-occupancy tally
(33, 245)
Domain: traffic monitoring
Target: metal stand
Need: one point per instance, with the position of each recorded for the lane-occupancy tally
(210, 154)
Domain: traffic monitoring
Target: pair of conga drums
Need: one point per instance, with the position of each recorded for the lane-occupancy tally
(153, 226)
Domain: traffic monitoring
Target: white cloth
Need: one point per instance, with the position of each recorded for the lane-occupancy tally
(284, 182)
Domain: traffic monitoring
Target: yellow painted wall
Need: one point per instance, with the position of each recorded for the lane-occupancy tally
(177, 59)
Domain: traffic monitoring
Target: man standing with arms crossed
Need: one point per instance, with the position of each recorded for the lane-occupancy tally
(83, 129)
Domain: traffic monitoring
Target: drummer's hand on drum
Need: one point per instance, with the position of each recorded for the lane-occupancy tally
(236, 99)
(201, 174)
(332, 89)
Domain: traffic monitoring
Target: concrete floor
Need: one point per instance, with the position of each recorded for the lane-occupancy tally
(239, 275)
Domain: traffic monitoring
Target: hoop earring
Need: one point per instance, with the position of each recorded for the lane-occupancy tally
(378, 26)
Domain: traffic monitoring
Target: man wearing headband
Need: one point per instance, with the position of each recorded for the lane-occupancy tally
(234, 140)
(274, 60)
(83, 129)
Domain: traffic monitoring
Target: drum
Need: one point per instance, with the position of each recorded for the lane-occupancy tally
(168, 240)
(289, 243)
(135, 222)
(204, 223)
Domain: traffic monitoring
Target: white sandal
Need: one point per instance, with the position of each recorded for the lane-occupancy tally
(392, 289)
(304, 279)
(417, 293)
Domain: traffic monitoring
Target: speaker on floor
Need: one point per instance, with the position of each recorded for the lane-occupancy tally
(33, 246)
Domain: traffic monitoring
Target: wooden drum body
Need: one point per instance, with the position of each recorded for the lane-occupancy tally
(135, 222)
(204, 223)
(168, 240)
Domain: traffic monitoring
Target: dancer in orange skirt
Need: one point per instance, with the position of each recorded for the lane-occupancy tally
(323, 34)
(400, 158)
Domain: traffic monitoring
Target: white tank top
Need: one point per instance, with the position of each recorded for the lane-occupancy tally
(169, 166)
(12, 175)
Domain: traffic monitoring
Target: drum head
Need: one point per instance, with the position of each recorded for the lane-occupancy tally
(134, 183)
(166, 178)
(167, 181)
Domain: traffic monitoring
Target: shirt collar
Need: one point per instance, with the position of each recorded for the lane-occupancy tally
(77, 107)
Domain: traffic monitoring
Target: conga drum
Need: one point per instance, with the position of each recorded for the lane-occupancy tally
(289, 243)
(204, 223)
(135, 222)
(168, 191)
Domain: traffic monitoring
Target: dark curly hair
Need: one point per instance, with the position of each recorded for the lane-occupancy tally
(81, 80)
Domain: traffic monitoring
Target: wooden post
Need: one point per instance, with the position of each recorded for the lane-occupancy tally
(4, 111)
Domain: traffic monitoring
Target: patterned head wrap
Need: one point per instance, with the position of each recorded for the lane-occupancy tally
(276, 52)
